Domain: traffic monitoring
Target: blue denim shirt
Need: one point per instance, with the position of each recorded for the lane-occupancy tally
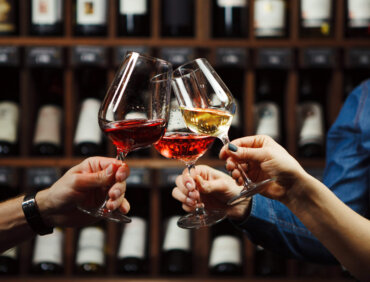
(347, 174)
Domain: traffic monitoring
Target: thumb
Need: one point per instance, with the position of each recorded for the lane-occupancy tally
(209, 186)
(242, 154)
(100, 178)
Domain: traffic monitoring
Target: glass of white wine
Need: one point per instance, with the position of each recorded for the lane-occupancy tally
(208, 107)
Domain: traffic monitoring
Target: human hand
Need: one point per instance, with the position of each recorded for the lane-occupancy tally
(215, 189)
(84, 185)
(262, 158)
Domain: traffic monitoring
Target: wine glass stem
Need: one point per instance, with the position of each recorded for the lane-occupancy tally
(199, 206)
(121, 155)
(247, 181)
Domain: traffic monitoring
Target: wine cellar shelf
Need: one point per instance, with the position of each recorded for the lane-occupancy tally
(290, 56)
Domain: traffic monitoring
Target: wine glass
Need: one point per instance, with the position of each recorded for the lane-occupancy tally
(134, 112)
(208, 107)
(180, 143)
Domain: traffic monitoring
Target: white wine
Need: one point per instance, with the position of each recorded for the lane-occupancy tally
(207, 121)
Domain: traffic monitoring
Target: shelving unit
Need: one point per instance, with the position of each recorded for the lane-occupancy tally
(206, 47)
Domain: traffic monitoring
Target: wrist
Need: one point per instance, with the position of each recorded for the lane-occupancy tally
(241, 211)
(46, 211)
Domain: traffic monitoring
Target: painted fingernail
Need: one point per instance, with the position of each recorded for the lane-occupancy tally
(232, 147)
(190, 201)
(109, 170)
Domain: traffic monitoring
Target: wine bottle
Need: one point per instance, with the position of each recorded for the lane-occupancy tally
(134, 18)
(225, 257)
(9, 263)
(311, 121)
(358, 18)
(268, 263)
(88, 136)
(91, 17)
(267, 109)
(178, 18)
(47, 138)
(316, 18)
(46, 17)
(176, 256)
(90, 256)
(8, 17)
(9, 183)
(133, 249)
(270, 18)
(48, 254)
(229, 18)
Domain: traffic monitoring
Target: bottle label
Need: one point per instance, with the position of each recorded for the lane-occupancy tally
(359, 13)
(46, 11)
(92, 12)
(49, 248)
(48, 125)
(9, 117)
(225, 249)
(315, 13)
(133, 239)
(268, 120)
(232, 3)
(269, 17)
(176, 238)
(88, 129)
(91, 246)
(133, 7)
(10, 253)
(6, 17)
(312, 124)
(175, 121)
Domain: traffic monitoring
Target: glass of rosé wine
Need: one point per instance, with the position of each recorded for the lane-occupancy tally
(134, 112)
(208, 107)
(182, 144)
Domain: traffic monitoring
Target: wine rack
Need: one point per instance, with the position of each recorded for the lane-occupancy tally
(291, 55)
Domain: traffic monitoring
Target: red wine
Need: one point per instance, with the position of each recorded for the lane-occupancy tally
(187, 147)
(134, 134)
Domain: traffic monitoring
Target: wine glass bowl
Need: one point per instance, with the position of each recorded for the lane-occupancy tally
(208, 107)
(134, 111)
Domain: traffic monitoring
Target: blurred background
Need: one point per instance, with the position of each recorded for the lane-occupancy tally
(290, 64)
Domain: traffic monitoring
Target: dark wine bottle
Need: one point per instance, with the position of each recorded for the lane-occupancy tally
(270, 18)
(88, 136)
(268, 263)
(46, 17)
(48, 254)
(8, 17)
(9, 263)
(9, 113)
(225, 257)
(267, 109)
(90, 256)
(134, 18)
(178, 18)
(229, 18)
(316, 18)
(358, 18)
(311, 119)
(91, 17)
(132, 254)
(9, 183)
(47, 138)
(176, 256)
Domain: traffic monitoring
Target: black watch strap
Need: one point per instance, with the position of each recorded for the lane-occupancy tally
(33, 216)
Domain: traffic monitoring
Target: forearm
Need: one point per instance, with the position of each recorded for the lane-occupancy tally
(344, 232)
(14, 228)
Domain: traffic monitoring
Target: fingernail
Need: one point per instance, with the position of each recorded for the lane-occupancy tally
(191, 194)
(189, 186)
(190, 201)
(232, 147)
(117, 193)
(109, 171)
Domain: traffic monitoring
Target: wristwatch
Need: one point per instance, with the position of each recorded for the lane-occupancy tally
(33, 216)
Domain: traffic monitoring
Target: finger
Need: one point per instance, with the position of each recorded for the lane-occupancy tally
(178, 195)
(122, 173)
(95, 164)
(187, 208)
(248, 154)
(103, 178)
(125, 206)
(209, 186)
(256, 141)
(185, 182)
(118, 190)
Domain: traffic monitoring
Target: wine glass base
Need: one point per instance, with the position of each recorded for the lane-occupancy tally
(115, 215)
(193, 220)
(252, 189)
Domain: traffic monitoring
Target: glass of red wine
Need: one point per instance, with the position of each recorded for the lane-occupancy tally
(134, 112)
(182, 144)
